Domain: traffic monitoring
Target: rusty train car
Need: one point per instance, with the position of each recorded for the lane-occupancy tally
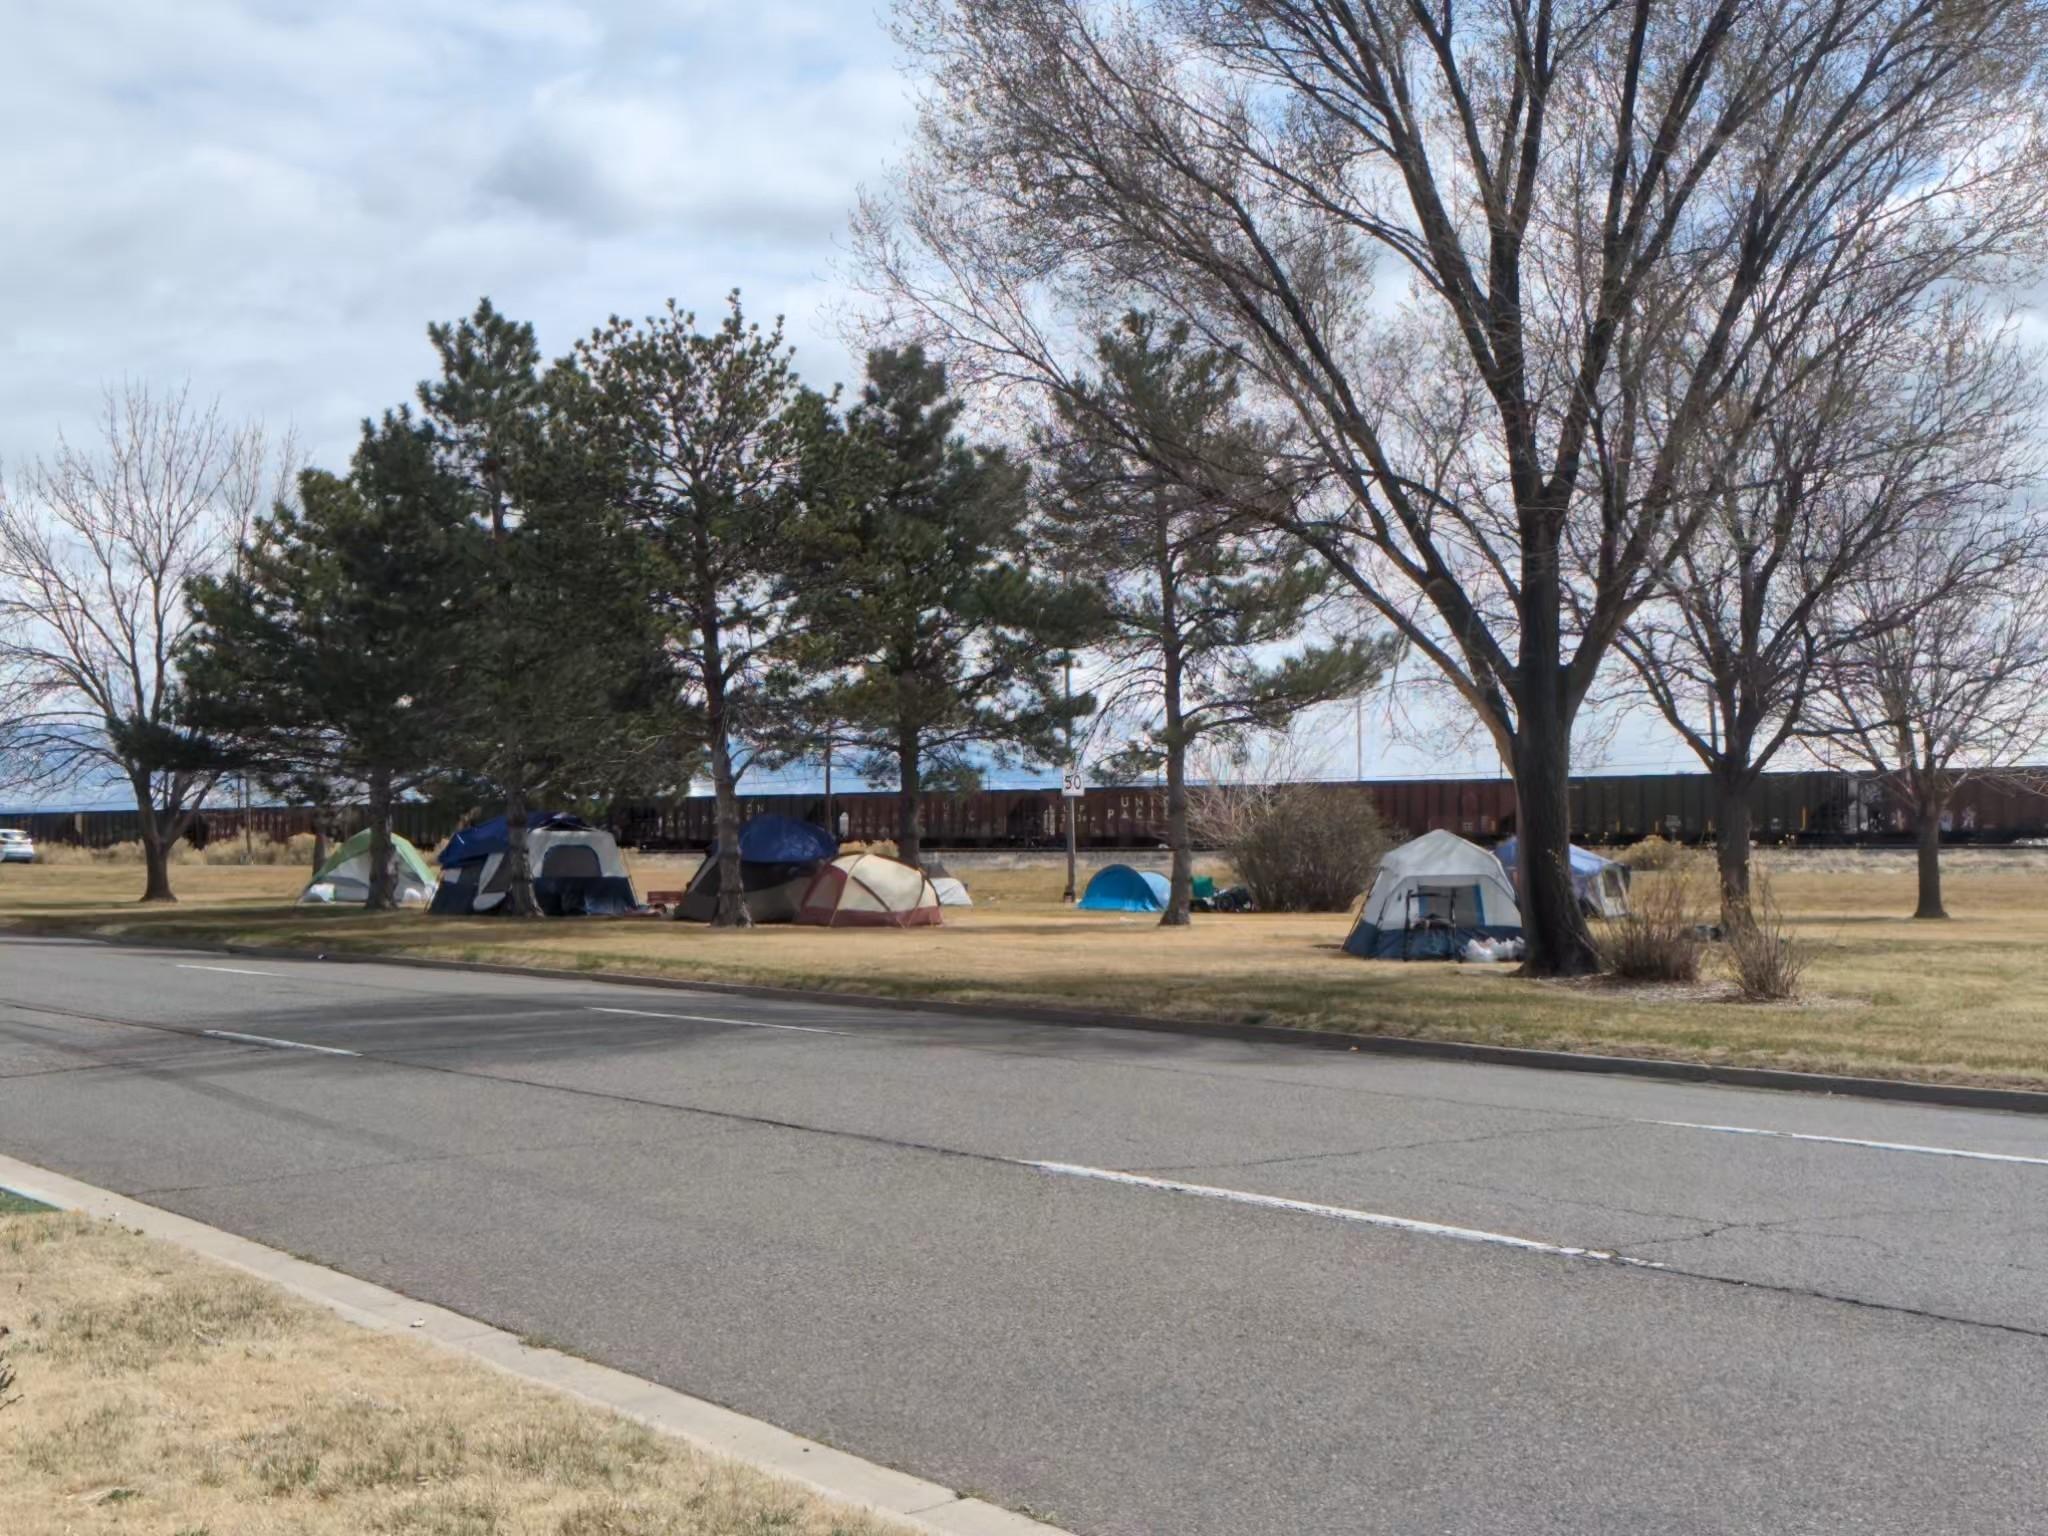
(1815, 807)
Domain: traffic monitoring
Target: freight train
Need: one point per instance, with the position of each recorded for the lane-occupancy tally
(1817, 807)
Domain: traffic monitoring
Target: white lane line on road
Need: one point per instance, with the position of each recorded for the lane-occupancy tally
(1338, 1213)
(282, 1045)
(225, 970)
(705, 1018)
(1853, 1141)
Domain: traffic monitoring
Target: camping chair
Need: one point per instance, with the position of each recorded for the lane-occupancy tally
(1422, 896)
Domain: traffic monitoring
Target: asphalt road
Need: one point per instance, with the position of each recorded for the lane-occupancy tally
(898, 1233)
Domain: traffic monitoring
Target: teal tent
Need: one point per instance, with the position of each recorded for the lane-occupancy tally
(1120, 888)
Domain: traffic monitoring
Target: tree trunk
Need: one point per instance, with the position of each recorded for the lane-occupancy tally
(156, 862)
(1559, 943)
(1732, 820)
(519, 898)
(1180, 890)
(319, 838)
(732, 897)
(156, 849)
(1553, 927)
(910, 800)
(1927, 816)
(382, 897)
(1180, 894)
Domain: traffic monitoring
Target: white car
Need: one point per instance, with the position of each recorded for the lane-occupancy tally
(16, 847)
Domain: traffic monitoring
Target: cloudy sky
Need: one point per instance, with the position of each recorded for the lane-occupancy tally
(272, 198)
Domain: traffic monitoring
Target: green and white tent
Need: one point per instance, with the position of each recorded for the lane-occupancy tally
(345, 877)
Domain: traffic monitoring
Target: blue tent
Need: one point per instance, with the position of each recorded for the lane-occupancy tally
(1120, 888)
(778, 856)
(472, 845)
(577, 870)
(1601, 884)
(1431, 898)
(783, 840)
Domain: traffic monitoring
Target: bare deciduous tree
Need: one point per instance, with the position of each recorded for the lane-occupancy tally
(1926, 419)
(1571, 189)
(1957, 688)
(96, 548)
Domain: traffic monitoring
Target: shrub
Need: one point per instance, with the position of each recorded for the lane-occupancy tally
(297, 849)
(1768, 961)
(1296, 847)
(1654, 853)
(1659, 939)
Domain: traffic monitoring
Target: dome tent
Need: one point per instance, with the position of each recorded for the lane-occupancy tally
(778, 857)
(1120, 888)
(1431, 898)
(952, 890)
(1601, 884)
(345, 877)
(869, 890)
(577, 870)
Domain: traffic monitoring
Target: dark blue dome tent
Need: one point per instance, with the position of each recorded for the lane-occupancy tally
(577, 869)
(1120, 888)
(778, 857)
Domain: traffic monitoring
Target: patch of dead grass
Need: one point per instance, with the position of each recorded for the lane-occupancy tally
(161, 1394)
(1961, 1001)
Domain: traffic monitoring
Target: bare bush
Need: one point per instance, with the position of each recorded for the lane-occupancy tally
(1654, 852)
(1767, 959)
(1296, 847)
(1660, 938)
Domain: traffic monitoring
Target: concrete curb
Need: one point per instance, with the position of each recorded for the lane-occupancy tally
(832, 1474)
(2024, 1101)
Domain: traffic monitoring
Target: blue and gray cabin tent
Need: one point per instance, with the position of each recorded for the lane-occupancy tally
(1431, 898)
(577, 869)
(1120, 888)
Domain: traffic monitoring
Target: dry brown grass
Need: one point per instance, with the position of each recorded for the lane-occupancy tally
(1961, 1001)
(294, 850)
(161, 1394)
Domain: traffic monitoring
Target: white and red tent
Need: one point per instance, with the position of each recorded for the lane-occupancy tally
(869, 890)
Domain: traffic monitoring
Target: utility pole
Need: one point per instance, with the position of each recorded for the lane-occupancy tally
(830, 825)
(1067, 796)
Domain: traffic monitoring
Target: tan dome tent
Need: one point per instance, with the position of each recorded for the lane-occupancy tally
(869, 890)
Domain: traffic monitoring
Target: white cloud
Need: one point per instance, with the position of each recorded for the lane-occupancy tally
(274, 197)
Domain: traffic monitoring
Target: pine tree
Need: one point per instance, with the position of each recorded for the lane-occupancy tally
(322, 657)
(1205, 606)
(929, 639)
(700, 430)
(566, 689)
